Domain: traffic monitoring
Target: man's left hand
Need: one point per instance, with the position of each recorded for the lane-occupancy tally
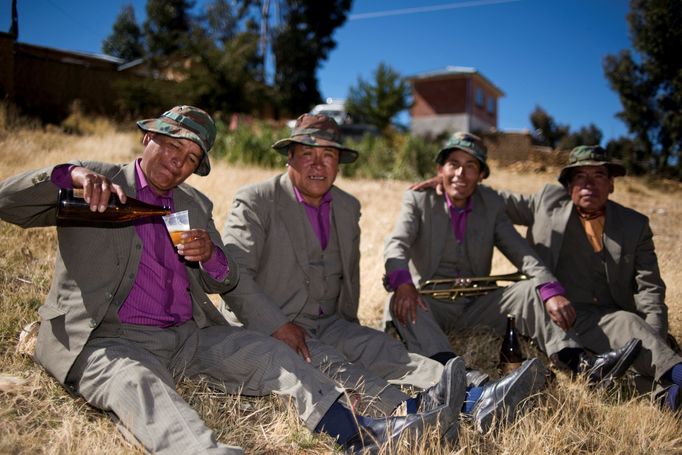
(561, 311)
(196, 246)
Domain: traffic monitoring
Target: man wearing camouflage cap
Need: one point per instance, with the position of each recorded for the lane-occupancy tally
(128, 315)
(450, 234)
(603, 255)
(296, 239)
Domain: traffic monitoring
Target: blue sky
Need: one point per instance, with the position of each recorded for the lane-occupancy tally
(539, 52)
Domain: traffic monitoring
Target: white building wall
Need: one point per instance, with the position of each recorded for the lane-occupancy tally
(433, 125)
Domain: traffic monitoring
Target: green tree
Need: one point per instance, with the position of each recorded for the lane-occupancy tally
(225, 73)
(125, 40)
(300, 44)
(377, 102)
(547, 131)
(649, 82)
(587, 135)
(630, 153)
(167, 26)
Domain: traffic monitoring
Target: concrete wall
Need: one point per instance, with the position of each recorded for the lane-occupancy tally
(433, 125)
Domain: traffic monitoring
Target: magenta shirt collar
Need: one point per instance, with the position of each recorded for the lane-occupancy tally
(458, 217)
(319, 217)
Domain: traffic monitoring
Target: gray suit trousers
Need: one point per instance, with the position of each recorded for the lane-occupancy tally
(428, 335)
(367, 360)
(133, 375)
(603, 327)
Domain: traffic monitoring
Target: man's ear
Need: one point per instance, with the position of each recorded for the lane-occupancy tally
(611, 185)
(146, 138)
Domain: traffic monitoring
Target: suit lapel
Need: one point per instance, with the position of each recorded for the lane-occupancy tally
(613, 233)
(341, 217)
(476, 225)
(439, 229)
(559, 219)
(289, 210)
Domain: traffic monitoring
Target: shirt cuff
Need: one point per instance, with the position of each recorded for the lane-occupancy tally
(551, 289)
(61, 175)
(216, 267)
(398, 277)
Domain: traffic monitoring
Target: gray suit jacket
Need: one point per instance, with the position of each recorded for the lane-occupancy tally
(418, 238)
(96, 267)
(265, 233)
(631, 265)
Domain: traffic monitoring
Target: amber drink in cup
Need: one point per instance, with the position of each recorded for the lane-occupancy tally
(177, 223)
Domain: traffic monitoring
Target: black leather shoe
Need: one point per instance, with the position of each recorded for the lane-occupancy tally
(611, 365)
(449, 392)
(500, 398)
(372, 436)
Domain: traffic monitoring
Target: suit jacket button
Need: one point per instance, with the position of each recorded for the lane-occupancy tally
(93, 323)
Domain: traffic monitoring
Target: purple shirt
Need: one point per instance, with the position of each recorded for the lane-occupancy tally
(318, 216)
(458, 220)
(159, 296)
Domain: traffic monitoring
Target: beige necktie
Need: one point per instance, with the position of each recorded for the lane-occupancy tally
(594, 228)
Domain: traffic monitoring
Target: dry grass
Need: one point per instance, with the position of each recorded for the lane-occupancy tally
(37, 415)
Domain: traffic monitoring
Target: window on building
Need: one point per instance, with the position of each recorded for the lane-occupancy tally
(480, 97)
(491, 104)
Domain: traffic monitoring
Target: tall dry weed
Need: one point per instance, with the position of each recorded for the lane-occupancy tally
(41, 417)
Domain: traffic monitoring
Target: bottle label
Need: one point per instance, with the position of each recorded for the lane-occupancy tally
(508, 367)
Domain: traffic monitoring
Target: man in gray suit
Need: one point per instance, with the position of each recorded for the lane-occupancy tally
(452, 235)
(127, 314)
(296, 239)
(603, 254)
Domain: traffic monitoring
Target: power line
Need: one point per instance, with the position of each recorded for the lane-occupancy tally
(75, 21)
(427, 9)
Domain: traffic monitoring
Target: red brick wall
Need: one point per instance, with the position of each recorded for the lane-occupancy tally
(439, 96)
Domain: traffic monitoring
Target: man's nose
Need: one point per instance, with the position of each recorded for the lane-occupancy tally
(317, 159)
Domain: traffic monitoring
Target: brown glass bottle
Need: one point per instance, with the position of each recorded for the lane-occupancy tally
(511, 355)
(72, 207)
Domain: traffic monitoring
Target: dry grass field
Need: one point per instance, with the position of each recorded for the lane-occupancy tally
(38, 416)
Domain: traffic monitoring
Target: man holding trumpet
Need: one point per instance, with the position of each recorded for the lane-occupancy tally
(452, 235)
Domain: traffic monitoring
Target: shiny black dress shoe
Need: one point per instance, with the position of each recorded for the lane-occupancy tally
(611, 365)
(373, 435)
(449, 392)
(500, 398)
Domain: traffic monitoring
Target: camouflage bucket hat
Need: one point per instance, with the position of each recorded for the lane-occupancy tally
(186, 122)
(316, 131)
(590, 155)
(469, 143)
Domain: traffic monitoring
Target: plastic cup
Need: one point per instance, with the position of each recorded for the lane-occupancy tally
(176, 224)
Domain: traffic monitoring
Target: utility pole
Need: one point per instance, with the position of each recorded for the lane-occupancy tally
(264, 31)
(14, 29)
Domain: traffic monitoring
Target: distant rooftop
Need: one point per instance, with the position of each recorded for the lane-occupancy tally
(454, 71)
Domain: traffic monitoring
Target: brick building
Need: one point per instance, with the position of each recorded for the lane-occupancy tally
(453, 99)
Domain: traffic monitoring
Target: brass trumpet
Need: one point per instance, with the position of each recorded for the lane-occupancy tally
(451, 288)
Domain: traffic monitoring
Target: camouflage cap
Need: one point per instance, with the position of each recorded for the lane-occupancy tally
(469, 143)
(316, 131)
(590, 155)
(186, 122)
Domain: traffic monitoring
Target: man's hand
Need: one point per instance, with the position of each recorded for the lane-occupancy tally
(96, 188)
(196, 245)
(293, 335)
(561, 311)
(433, 182)
(405, 301)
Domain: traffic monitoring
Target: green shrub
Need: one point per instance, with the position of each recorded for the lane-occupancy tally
(397, 156)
